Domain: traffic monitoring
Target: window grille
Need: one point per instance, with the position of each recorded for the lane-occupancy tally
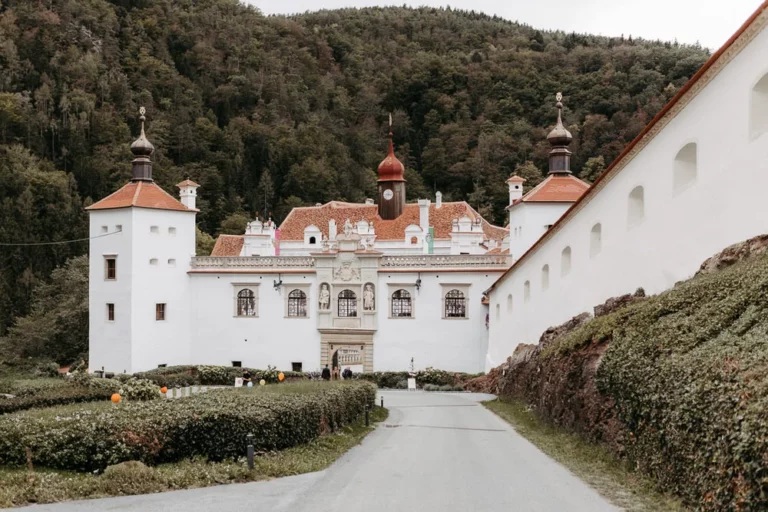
(297, 303)
(347, 304)
(401, 304)
(455, 304)
(246, 303)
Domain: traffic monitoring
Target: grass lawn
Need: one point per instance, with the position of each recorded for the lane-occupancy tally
(21, 486)
(592, 463)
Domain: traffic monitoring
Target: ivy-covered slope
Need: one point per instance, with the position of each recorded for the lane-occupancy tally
(676, 383)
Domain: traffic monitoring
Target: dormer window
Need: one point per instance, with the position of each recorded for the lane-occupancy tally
(312, 240)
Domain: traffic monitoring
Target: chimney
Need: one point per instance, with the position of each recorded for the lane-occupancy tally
(424, 215)
(188, 193)
(438, 199)
(331, 229)
(515, 183)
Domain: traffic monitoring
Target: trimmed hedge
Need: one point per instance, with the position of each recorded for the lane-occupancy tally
(207, 375)
(430, 375)
(686, 374)
(212, 424)
(66, 394)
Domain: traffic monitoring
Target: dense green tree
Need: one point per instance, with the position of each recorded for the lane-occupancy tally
(57, 326)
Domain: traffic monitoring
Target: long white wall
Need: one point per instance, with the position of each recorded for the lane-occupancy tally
(725, 204)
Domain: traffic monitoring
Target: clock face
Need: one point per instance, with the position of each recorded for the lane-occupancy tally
(388, 194)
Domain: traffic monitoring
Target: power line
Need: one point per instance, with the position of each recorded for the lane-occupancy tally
(29, 244)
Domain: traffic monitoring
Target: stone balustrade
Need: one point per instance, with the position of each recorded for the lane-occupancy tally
(207, 262)
(405, 261)
(443, 261)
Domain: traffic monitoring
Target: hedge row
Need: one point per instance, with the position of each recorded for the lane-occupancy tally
(432, 376)
(212, 424)
(66, 394)
(206, 375)
(685, 373)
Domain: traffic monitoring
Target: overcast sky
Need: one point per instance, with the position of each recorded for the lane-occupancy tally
(710, 22)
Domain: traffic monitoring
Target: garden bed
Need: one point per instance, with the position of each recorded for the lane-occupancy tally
(213, 425)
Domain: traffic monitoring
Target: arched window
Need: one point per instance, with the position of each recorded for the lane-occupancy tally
(455, 304)
(596, 239)
(510, 304)
(565, 261)
(498, 311)
(636, 206)
(758, 108)
(246, 303)
(684, 169)
(526, 291)
(312, 240)
(545, 277)
(401, 304)
(347, 304)
(297, 303)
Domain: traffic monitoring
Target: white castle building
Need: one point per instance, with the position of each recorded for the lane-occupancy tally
(376, 285)
(371, 286)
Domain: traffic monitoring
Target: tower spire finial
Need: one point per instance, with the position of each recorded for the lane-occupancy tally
(559, 138)
(142, 149)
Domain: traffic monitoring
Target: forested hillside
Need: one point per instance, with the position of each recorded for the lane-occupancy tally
(267, 113)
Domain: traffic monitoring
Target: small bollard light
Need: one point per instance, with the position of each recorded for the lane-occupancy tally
(366, 415)
(382, 402)
(249, 440)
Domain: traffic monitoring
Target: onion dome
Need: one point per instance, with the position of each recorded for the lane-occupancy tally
(142, 146)
(391, 169)
(559, 136)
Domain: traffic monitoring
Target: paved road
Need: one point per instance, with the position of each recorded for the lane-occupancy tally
(442, 452)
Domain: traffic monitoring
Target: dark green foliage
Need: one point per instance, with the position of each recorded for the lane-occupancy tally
(687, 372)
(212, 424)
(430, 375)
(65, 394)
(269, 113)
(181, 376)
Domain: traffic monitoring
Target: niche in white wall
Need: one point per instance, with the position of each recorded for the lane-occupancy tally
(527, 291)
(758, 108)
(545, 277)
(510, 304)
(635, 206)
(596, 239)
(684, 168)
(565, 261)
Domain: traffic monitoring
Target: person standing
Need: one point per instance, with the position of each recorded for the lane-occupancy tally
(247, 381)
(347, 374)
(326, 373)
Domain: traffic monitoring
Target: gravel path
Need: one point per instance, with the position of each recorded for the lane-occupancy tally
(436, 451)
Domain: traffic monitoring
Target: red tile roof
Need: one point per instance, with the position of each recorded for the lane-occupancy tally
(187, 183)
(141, 194)
(611, 170)
(555, 189)
(228, 245)
(441, 219)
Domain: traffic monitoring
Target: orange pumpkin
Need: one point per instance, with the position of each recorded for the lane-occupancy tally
(281, 376)
(116, 398)
(163, 390)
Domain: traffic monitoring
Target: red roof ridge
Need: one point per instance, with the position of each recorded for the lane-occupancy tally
(140, 194)
(595, 188)
(136, 194)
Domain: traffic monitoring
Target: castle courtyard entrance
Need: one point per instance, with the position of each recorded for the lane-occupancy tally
(343, 348)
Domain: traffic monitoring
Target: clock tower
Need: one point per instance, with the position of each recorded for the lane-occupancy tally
(391, 183)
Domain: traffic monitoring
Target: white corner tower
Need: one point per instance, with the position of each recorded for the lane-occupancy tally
(142, 239)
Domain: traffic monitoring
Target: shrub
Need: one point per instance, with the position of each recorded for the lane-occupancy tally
(29, 387)
(433, 376)
(402, 384)
(207, 375)
(212, 424)
(68, 394)
(47, 370)
(131, 478)
(139, 389)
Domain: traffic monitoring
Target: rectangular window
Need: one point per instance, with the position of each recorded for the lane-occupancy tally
(159, 312)
(154, 230)
(119, 227)
(296, 367)
(164, 365)
(111, 312)
(153, 261)
(237, 364)
(103, 229)
(171, 262)
(172, 231)
(110, 269)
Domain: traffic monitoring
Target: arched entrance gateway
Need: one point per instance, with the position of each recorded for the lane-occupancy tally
(348, 356)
